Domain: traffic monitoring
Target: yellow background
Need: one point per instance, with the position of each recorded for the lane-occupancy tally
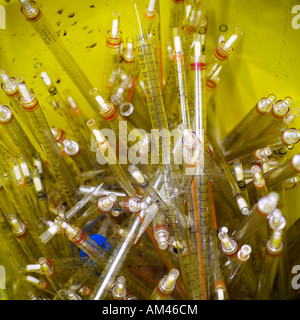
(266, 60)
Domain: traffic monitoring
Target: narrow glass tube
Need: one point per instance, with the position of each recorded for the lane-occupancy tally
(119, 290)
(96, 211)
(275, 141)
(147, 187)
(273, 119)
(43, 133)
(103, 146)
(112, 56)
(159, 121)
(239, 174)
(180, 77)
(263, 208)
(39, 22)
(221, 53)
(81, 159)
(165, 286)
(161, 231)
(243, 256)
(259, 182)
(237, 134)
(16, 133)
(274, 248)
(228, 245)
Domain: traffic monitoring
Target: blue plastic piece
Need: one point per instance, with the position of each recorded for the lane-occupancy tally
(100, 240)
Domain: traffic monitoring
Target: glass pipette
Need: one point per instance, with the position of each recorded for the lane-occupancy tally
(239, 198)
(275, 141)
(112, 161)
(259, 213)
(192, 24)
(159, 121)
(119, 254)
(221, 53)
(54, 229)
(259, 182)
(176, 15)
(96, 211)
(39, 283)
(239, 174)
(119, 290)
(67, 114)
(20, 231)
(243, 256)
(147, 187)
(79, 116)
(228, 245)
(237, 134)
(273, 119)
(75, 151)
(16, 133)
(257, 156)
(161, 231)
(218, 283)
(113, 119)
(274, 248)
(42, 131)
(39, 22)
(10, 88)
(112, 56)
(279, 174)
(180, 77)
(165, 286)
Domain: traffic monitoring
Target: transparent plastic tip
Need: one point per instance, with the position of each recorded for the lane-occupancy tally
(25, 93)
(171, 277)
(7, 81)
(115, 23)
(296, 162)
(266, 103)
(4, 112)
(233, 38)
(136, 173)
(102, 103)
(151, 6)
(244, 252)
(267, 204)
(227, 243)
(96, 132)
(27, 5)
(283, 106)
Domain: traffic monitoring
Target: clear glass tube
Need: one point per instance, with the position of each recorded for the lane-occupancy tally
(119, 290)
(112, 161)
(264, 207)
(250, 120)
(147, 187)
(16, 133)
(112, 57)
(180, 77)
(222, 52)
(165, 286)
(266, 277)
(275, 141)
(259, 182)
(96, 211)
(39, 22)
(43, 133)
